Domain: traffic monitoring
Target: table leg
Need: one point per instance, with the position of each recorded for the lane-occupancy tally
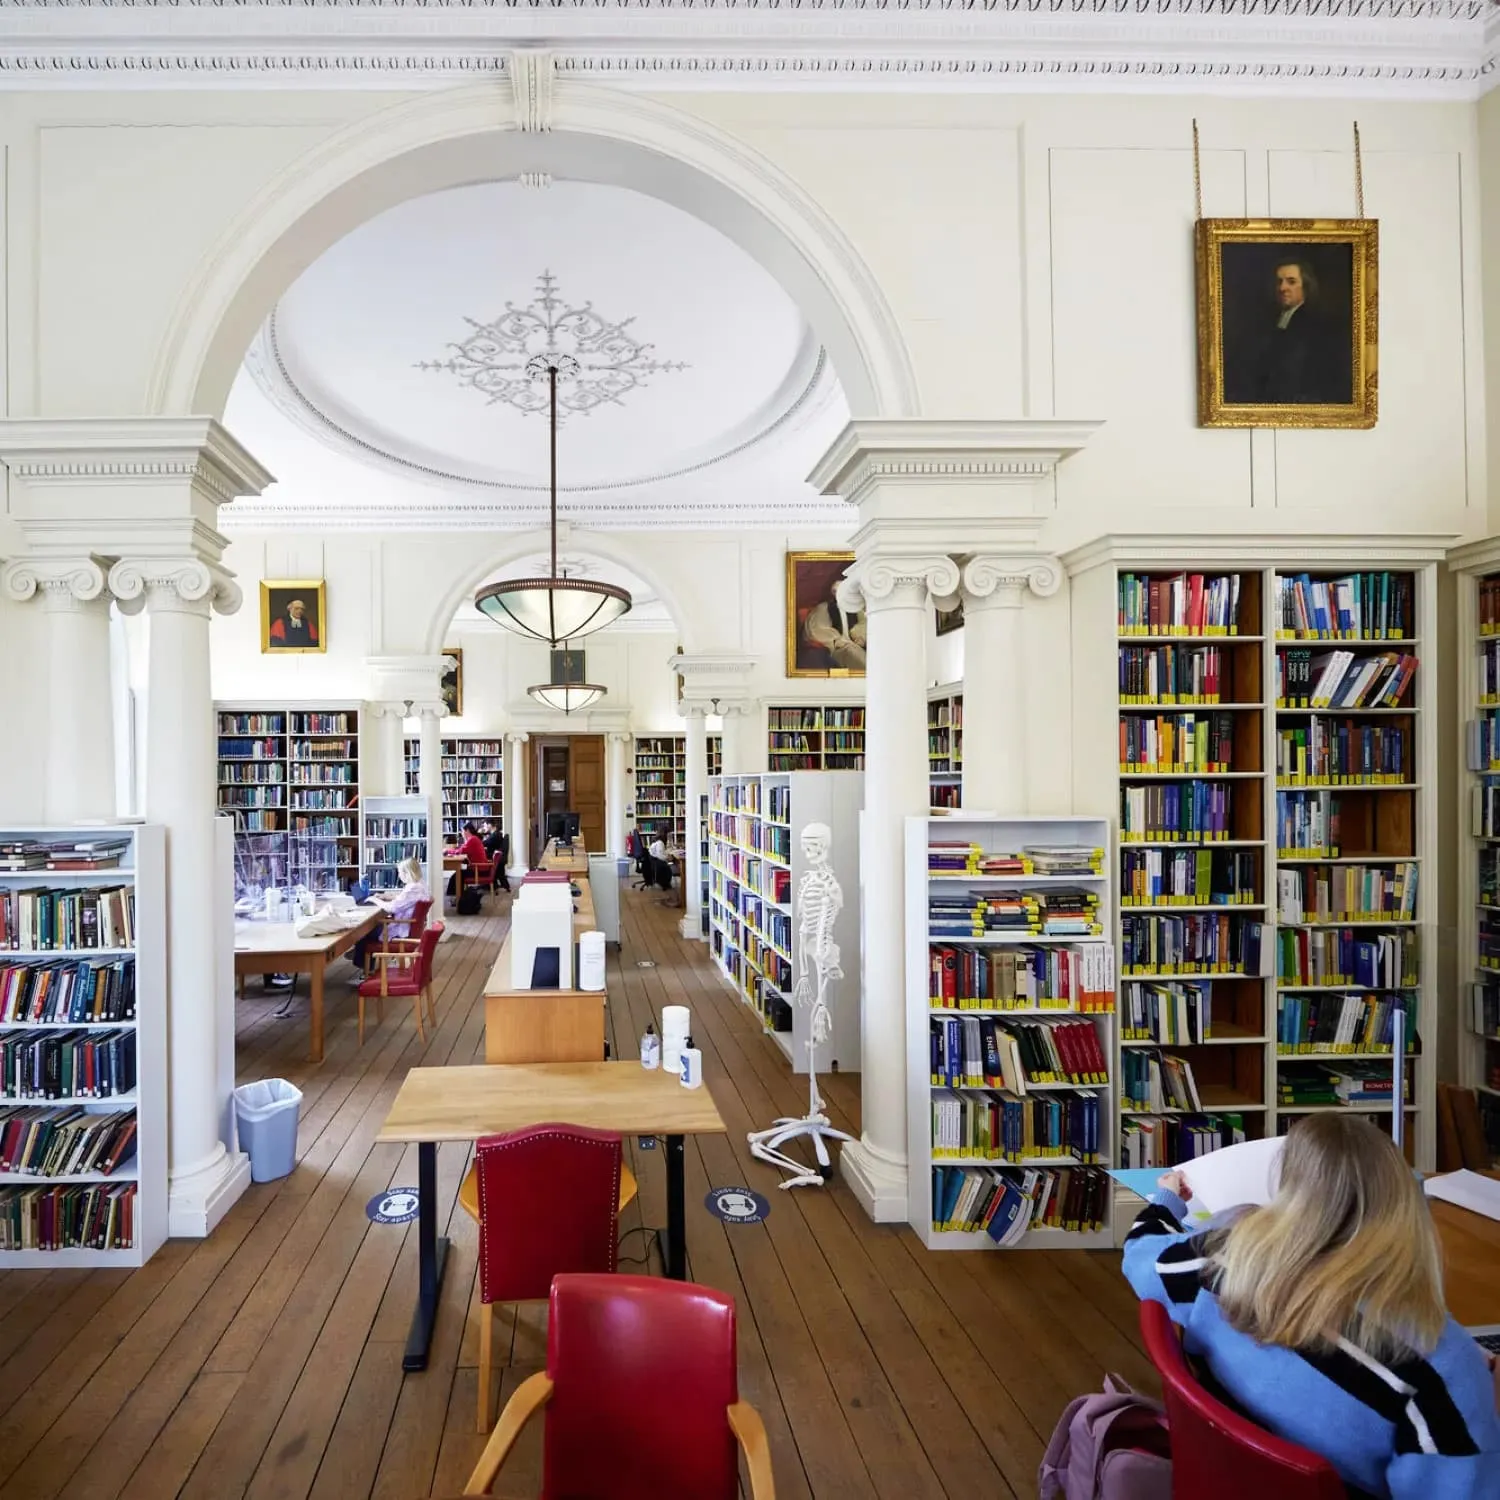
(432, 1260)
(673, 1241)
(316, 1007)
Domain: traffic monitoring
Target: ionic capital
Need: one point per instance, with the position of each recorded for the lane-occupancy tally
(65, 584)
(1002, 581)
(517, 736)
(886, 582)
(180, 585)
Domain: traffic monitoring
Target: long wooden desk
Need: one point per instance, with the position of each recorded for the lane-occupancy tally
(1471, 1263)
(462, 1104)
(275, 948)
(575, 860)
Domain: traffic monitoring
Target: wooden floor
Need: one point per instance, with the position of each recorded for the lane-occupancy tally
(266, 1361)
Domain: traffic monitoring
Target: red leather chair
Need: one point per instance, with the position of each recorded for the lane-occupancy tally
(549, 1202)
(1216, 1453)
(408, 941)
(403, 972)
(641, 1397)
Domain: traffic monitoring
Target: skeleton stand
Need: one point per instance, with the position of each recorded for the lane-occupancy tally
(819, 901)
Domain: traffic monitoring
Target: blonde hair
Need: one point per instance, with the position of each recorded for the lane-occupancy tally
(410, 870)
(1345, 1250)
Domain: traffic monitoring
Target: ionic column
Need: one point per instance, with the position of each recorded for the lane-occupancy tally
(203, 1178)
(614, 789)
(695, 785)
(385, 771)
(744, 738)
(79, 779)
(430, 785)
(994, 593)
(896, 594)
(518, 819)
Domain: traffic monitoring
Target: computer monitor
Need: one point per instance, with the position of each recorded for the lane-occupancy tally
(562, 826)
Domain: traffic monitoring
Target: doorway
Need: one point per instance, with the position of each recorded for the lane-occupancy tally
(567, 772)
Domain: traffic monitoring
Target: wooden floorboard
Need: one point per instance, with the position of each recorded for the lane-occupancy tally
(265, 1362)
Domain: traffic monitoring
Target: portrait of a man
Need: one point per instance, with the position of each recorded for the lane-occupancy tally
(823, 639)
(292, 615)
(1286, 323)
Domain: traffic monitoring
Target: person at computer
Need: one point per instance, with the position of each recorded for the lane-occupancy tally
(1320, 1316)
(399, 905)
(495, 848)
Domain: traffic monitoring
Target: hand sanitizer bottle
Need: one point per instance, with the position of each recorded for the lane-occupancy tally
(692, 1066)
(650, 1048)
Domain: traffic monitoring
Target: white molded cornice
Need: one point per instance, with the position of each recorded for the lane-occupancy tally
(1482, 556)
(709, 665)
(1248, 550)
(1395, 48)
(404, 679)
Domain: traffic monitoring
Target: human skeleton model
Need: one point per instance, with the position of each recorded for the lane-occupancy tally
(819, 901)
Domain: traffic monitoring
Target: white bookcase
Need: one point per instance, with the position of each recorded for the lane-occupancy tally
(1085, 996)
(755, 863)
(1286, 811)
(142, 868)
(395, 829)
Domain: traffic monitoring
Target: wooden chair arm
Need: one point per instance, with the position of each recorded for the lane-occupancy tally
(530, 1397)
(384, 959)
(745, 1423)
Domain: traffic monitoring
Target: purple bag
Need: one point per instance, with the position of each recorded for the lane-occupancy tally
(1109, 1446)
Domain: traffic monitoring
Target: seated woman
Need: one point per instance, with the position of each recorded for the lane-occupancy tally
(399, 904)
(1320, 1316)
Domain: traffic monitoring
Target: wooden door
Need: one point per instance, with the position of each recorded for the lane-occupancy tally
(586, 783)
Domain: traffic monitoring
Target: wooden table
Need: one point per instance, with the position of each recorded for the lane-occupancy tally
(462, 1104)
(457, 866)
(1471, 1263)
(275, 948)
(575, 860)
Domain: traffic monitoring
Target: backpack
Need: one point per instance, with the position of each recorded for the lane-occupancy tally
(469, 901)
(1108, 1446)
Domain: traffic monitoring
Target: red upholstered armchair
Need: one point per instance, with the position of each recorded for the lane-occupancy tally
(409, 936)
(403, 973)
(1216, 1453)
(641, 1397)
(549, 1202)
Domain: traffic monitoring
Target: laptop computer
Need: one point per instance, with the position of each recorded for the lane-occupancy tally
(1487, 1336)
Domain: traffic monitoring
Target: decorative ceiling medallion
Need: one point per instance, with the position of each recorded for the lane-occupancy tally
(612, 362)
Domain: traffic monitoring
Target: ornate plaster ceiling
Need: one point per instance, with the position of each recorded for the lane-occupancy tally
(703, 398)
(1403, 48)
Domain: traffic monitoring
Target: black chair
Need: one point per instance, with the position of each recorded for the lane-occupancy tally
(636, 846)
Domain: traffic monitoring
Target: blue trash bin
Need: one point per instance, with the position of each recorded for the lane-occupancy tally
(266, 1116)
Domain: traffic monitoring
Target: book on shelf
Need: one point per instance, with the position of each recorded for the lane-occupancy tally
(1348, 1084)
(984, 1052)
(1004, 1126)
(1176, 1012)
(1189, 877)
(1177, 743)
(1152, 1082)
(1307, 679)
(1322, 752)
(1008, 1203)
(37, 918)
(1178, 604)
(51, 992)
(1170, 1141)
(1354, 606)
(96, 1216)
(67, 1064)
(1021, 977)
(1176, 810)
(1192, 943)
(1347, 893)
(48, 1142)
(1339, 956)
(1308, 1024)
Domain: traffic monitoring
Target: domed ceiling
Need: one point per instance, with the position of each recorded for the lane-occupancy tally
(389, 384)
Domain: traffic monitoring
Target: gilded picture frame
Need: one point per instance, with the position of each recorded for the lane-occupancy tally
(1288, 313)
(293, 616)
(451, 684)
(821, 639)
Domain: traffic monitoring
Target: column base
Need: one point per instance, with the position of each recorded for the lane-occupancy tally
(691, 927)
(876, 1179)
(198, 1201)
(518, 872)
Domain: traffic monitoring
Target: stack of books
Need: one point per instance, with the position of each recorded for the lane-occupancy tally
(969, 914)
(1327, 1084)
(1063, 859)
(1067, 911)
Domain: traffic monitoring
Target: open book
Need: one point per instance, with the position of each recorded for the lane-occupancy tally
(1226, 1178)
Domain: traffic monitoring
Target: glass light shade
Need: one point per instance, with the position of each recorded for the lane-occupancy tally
(567, 696)
(552, 609)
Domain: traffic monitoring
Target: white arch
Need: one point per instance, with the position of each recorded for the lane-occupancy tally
(610, 546)
(469, 134)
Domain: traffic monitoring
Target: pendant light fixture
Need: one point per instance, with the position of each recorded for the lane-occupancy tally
(553, 609)
(566, 696)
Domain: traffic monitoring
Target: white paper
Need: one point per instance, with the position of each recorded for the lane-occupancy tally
(1234, 1175)
(1468, 1190)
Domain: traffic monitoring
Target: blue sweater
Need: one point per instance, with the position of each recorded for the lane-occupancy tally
(1425, 1429)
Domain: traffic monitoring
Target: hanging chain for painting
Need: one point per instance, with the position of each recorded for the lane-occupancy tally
(1359, 177)
(1197, 176)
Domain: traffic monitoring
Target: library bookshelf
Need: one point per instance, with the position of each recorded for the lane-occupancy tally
(810, 737)
(1271, 744)
(473, 781)
(85, 912)
(395, 829)
(755, 864)
(1478, 907)
(289, 777)
(660, 767)
(1001, 951)
(945, 746)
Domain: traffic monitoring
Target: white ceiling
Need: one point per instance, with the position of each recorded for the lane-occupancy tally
(389, 380)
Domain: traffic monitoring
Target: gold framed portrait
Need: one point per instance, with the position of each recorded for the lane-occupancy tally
(822, 638)
(293, 615)
(1287, 322)
(451, 684)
